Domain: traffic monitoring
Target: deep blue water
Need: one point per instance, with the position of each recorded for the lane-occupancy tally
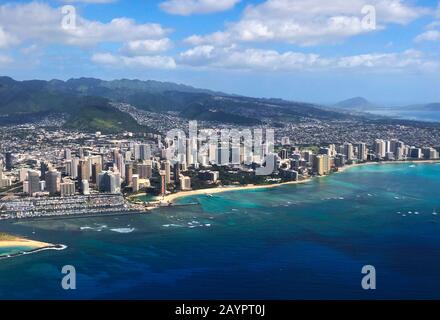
(297, 241)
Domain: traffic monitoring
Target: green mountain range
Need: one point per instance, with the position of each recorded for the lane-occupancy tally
(85, 103)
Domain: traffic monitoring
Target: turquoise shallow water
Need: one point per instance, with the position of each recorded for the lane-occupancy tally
(12, 250)
(296, 241)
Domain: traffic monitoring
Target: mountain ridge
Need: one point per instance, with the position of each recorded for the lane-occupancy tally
(70, 97)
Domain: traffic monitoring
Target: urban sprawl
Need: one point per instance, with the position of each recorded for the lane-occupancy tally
(46, 173)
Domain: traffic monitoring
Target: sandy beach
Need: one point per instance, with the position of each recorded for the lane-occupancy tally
(13, 241)
(172, 197)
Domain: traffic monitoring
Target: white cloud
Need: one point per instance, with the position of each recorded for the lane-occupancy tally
(430, 35)
(409, 59)
(105, 58)
(208, 56)
(308, 22)
(5, 59)
(89, 1)
(6, 39)
(142, 47)
(147, 62)
(41, 23)
(188, 7)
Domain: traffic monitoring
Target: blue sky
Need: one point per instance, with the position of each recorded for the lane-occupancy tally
(307, 50)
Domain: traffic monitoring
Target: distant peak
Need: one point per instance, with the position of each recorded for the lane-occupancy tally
(355, 103)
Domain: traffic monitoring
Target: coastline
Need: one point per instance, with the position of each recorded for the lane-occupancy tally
(171, 198)
(174, 196)
(14, 241)
(384, 162)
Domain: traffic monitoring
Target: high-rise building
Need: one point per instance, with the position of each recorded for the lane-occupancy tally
(176, 172)
(362, 152)
(166, 166)
(212, 153)
(415, 153)
(23, 173)
(96, 170)
(4, 181)
(327, 164)
(163, 184)
(83, 170)
(120, 164)
(67, 188)
(94, 167)
(67, 154)
(142, 152)
(223, 155)
(348, 151)
(387, 146)
(127, 155)
(25, 186)
(283, 154)
(33, 182)
(191, 151)
(85, 189)
(145, 170)
(321, 164)
(185, 183)
(128, 173)
(135, 182)
(9, 163)
(430, 153)
(52, 179)
(380, 148)
(340, 160)
(44, 167)
(318, 165)
(72, 167)
(109, 182)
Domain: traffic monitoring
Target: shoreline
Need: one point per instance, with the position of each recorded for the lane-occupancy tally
(15, 241)
(174, 196)
(25, 246)
(384, 162)
(169, 199)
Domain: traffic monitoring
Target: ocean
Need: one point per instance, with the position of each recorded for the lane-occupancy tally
(430, 116)
(306, 241)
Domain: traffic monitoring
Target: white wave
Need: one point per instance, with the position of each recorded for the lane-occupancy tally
(123, 230)
(171, 225)
(98, 229)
